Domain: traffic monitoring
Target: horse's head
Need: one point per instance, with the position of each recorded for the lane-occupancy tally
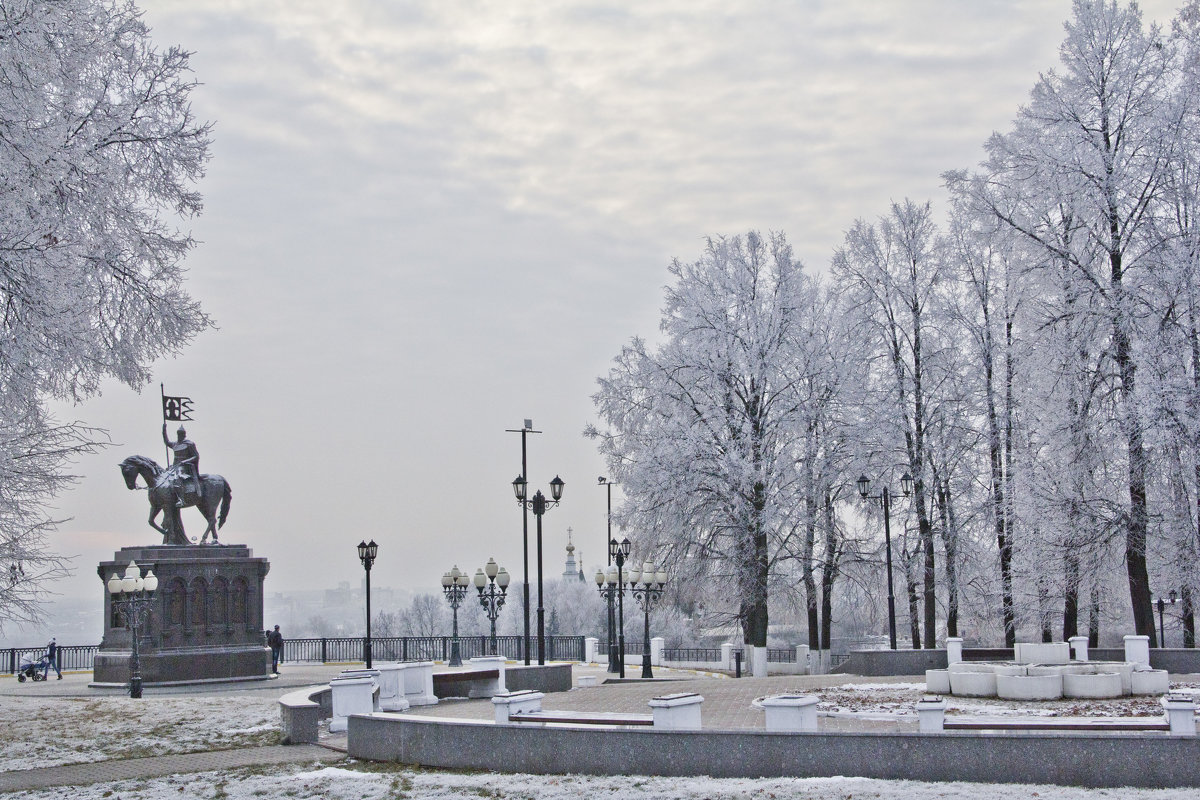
(139, 465)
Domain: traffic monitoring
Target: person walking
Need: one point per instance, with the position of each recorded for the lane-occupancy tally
(275, 640)
(51, 660)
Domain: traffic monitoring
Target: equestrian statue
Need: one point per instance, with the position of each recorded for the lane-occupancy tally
(177, 487)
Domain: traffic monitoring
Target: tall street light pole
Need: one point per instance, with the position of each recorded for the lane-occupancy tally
(538, 506)
(619, 551)
(526, 428)
(1162, 630)
(609, 595)
(864, 486)
(366, 554)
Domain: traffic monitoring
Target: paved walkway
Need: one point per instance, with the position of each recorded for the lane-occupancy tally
(160, 766)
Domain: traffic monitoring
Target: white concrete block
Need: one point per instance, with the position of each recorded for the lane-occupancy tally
(590, 646)
(937, 681)
(391, 687)
(802, 667)
(954, 648)
(758, 660)
(1097, 684)
(1137, 650)
(678, 712)
(1029, 687)
(1150, 681)
(589, 680)
(1079, 646)
(657, 645)
(727, 656)
(351, 695)
(418, 683)
(973, 684)
(515, 702)
(1042, 652)
(931, 715)
(1181, 714)
(790, 712)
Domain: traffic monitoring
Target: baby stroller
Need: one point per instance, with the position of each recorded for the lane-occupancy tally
(33, 669)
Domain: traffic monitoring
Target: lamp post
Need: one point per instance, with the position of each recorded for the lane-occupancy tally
(366, 554)
(614, 578)
(492, 582)
(454, 585)
(609, 594)
(538, 506)
(864, 486)
(1162, 631)
(526, 428)
(132, 596)
(606, 583)
(646, 586)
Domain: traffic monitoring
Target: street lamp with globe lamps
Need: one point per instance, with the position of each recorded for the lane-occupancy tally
(646, 585)
(454, 585)
(132, 596)
(492, 583)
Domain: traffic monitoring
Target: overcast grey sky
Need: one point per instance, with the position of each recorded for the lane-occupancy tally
(427, 221)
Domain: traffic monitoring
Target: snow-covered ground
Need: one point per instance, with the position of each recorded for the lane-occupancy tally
(363, 781)
(46, 731)
(900, 698)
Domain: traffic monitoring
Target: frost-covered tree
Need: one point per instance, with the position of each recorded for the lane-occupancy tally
(1079, 177)
(701, 430)
(891, 272)
(99, 155)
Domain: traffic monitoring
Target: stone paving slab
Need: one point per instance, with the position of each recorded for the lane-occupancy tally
(160, 766)
(728, 703)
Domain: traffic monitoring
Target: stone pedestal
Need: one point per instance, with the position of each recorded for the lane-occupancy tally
(206, 622)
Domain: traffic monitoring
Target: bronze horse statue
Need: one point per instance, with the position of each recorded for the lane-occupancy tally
(213, 500)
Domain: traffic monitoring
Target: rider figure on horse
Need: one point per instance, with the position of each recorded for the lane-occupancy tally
(187, 462)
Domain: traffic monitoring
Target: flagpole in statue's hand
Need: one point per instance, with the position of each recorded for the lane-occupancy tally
(166, 444)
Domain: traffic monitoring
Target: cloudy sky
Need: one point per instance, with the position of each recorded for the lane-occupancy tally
(428, 221)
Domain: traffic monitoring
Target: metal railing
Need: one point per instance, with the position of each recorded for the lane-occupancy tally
(70, 656)
(343, 649)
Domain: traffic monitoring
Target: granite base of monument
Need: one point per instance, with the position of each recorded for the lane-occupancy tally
(206, 619)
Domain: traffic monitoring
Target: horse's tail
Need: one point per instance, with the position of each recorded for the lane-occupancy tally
(226, 498)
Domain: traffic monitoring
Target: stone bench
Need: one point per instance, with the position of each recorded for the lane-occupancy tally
(582, 718)
(301, 712)
(671, 712)
(474, 683)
